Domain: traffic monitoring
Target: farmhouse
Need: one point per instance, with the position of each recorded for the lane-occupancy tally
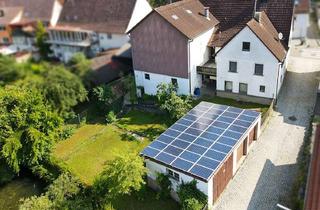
(208, 144)
(231, 48)
(94, 26)
(301, 21)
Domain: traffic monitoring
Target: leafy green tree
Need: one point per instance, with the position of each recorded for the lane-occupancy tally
(41, 37)
(121, 176)
(61, 89)
(165, 184)
(157, 3)
(81, 66)
(104, 96)
(28, 129)
(192, 204)
(36, 203)
(9, 70)
(169, 101)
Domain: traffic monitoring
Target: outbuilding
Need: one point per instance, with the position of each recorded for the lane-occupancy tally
(208, 145)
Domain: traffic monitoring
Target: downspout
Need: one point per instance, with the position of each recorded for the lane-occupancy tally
(276, 99)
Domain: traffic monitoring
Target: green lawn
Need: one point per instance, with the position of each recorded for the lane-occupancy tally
(231, 102)
(149, 125)
(91, 146)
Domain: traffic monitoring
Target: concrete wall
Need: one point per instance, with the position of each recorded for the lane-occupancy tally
(258, 54)
(141, 9)
(301, 24)
(113, 41)
(154, 168)
(199, 54)
(150, 86)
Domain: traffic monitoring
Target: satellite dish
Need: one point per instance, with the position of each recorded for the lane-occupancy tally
(280, 36)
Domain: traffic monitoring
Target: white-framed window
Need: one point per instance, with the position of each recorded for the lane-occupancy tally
(243, 88)
(174, 81)
(262, 88)
(173, 175)
(258, 69)
(233, 66)
(228, 86)
(147, 76)
(246, 46)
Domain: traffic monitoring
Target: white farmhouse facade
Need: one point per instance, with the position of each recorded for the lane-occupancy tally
(252, 72)
(101, 30)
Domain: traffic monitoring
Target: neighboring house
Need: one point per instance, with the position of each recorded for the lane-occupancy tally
(23, 31)
(8, 15)
(301, 20)
(248, 37)
(94, 26)
(169, 44)
(208, 145)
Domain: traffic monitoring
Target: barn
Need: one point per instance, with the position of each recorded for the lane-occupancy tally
(208, 144)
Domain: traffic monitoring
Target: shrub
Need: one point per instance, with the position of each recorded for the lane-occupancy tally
(66, 133)
(191, 196)
(111, 117)
(165, 185)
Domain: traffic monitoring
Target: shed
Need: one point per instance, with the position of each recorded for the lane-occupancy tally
(208, 144)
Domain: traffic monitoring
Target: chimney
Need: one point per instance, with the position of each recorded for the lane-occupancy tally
(206, 12)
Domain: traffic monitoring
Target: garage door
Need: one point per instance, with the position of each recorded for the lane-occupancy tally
(222, 178)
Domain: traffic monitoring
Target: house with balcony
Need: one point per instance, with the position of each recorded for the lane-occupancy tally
(232, 49)
(94, 26)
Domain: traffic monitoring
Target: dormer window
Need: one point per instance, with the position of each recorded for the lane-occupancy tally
(246, 46)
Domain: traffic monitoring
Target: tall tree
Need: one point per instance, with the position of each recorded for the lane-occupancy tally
(28, 129)
(41, 38)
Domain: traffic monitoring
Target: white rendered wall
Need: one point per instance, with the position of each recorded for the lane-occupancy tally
(300, 27)
(57, 8)
(141, 9)
(115, 41)
(259, 54)
(154, 168)
(65, 53)
(199, 54)
(150, 86)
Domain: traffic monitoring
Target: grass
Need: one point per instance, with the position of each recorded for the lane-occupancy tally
(231, 102)
(91, 146)
(146, 124)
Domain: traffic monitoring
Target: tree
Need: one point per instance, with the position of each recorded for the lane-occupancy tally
(81, 66)
(36, 203)
(28, 129)
(121, 176)
(157, 3)
(61, 89)
(169, 101)
(9, 70)
(41, 37)
(191, 197)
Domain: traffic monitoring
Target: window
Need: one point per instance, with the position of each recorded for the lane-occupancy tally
(246, 46)
(173, 175)
(174, 82)
(243, 88)
(258, 69)
(5, 40)
(147, 76)
(232, 66)
(262, 88)
(228, 86)
(109, 36)
(2, 28)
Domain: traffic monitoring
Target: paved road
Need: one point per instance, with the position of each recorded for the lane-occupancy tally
(267, 174)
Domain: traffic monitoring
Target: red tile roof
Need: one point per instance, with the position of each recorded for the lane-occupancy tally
(312, 201)
(188, 17)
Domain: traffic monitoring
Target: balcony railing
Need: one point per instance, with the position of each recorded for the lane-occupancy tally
(209, 68)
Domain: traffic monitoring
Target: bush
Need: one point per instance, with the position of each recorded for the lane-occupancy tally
(111, 117)
(191, 196)
(66, 133)
(165, 185)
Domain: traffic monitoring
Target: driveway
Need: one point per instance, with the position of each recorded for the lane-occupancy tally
(266, 176)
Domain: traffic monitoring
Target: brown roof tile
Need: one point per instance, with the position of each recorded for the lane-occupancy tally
(108, 16)
(9, 14)
(33, 9)
(188, 17)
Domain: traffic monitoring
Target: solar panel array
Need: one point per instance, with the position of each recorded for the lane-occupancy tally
(200, 141)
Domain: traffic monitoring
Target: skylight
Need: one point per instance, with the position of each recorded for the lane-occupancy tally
(175, 17)
(189, 11)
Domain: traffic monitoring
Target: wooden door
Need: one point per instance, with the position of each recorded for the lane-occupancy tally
(240, 152)
(222, 178)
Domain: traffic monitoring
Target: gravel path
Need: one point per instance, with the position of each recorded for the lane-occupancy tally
(266, 176)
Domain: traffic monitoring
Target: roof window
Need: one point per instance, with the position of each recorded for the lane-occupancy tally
(189, 11)
(175, 17)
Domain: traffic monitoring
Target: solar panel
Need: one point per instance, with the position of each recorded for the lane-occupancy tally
(199, 142)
